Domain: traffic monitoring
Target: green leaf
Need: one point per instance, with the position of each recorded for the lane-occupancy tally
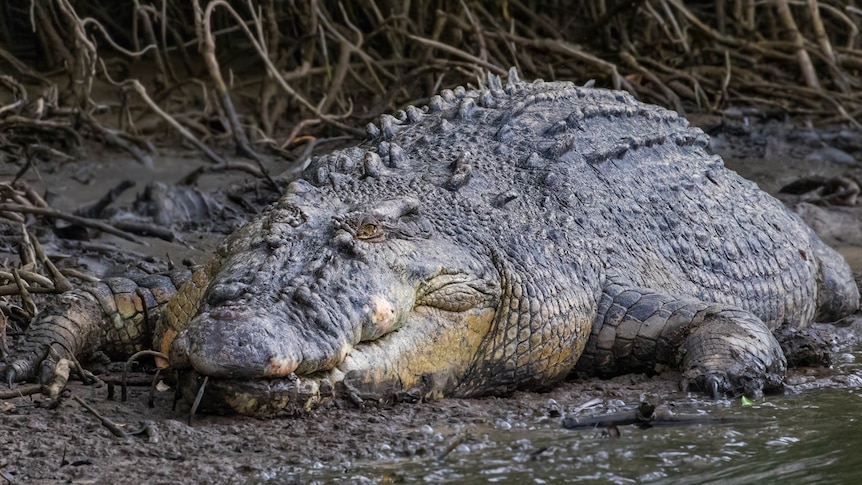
(747, 402)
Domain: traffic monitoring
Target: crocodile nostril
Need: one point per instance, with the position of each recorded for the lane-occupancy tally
(225, 292)
(302, 295)
(380, 318)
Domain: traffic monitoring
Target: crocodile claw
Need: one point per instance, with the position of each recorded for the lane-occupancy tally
(713, 385)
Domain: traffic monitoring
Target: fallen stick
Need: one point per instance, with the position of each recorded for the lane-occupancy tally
(112, 427)
(21, 391)
(42, 211)
(642, 415)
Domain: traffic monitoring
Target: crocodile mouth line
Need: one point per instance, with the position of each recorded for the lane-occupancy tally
(291, 394)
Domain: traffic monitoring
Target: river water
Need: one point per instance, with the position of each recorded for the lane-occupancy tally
(807, 436)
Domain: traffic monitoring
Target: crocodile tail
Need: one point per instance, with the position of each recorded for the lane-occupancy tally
(116, 315)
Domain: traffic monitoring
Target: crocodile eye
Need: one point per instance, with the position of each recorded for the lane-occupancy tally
(366, 231)
(370, 229)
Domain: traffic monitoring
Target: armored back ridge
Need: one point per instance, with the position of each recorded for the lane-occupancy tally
(499, 239)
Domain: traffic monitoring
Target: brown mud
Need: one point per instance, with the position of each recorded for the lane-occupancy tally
(68, 444)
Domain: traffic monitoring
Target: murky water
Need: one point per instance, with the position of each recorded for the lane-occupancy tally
(811, 437)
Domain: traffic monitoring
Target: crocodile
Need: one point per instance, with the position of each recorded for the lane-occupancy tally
(500, 238)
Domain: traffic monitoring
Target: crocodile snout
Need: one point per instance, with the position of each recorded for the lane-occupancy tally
(236, 343)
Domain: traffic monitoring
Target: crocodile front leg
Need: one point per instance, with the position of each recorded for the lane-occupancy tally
(718, 348)
(116, 315)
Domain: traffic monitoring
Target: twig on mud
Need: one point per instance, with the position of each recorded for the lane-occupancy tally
(15, 290)
(42, 211)
(29, 277)
(95, 209)
(642, 415)
(294, 133)
(21, 391)
(69, 362)
(198, 398)
(4, 344)
(118, 139)
(48, 127)
(61, 284)
(24, 293)
(149, 428)
(112, 427)
(31, 194)
(143, 353)
(154, 384)
(239, 166)
(146, 230)
(74, 273)
(142, 92)
(13, 216)
(27, 254)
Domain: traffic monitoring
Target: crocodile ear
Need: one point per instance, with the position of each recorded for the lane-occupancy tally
(301, 187)
(302, 190)
(404, 219)
(394, 209)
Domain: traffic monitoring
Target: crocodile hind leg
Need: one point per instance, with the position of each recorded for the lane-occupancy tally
(718, 348)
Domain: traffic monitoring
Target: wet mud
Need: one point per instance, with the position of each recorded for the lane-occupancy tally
(69, 444)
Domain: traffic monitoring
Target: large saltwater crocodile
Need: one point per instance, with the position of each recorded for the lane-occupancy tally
(498, 239)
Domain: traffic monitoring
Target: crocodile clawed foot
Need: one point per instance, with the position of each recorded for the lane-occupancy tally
(719, 385)
(10, 374)
(21, 370)
(715, 385)
(732, 353)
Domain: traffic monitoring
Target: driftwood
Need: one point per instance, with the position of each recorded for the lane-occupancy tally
(643, 416)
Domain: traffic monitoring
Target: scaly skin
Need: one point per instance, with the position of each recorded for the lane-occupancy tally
(491, 242)
(116, 316)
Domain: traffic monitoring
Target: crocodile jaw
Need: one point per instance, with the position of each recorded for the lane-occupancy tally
(256, 397)
(407, 365)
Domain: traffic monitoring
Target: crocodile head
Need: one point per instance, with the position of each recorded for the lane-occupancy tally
(319, 298)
